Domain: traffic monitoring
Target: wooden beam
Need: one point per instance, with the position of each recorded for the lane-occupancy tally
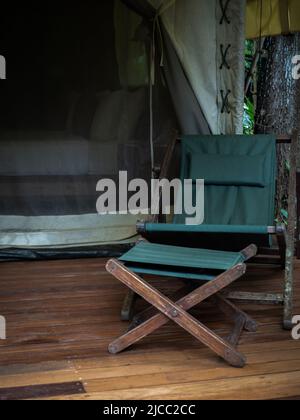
(262, 298)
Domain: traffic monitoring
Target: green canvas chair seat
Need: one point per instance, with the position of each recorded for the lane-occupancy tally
(171, 261)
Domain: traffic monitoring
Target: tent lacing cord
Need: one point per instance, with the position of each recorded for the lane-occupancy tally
(224, 9)
(156, 29)
(224, 54)
(225, 100)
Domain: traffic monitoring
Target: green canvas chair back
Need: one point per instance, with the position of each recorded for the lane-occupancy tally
(240, 183)
(239, 174)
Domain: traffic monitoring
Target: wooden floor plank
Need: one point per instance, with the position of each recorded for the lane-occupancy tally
(264, 387)
(61, 316)
(41, 391)
(187, 374)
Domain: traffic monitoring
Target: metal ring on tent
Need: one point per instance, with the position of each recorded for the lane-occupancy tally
(224, 56)
(224, 9)
(225, 102)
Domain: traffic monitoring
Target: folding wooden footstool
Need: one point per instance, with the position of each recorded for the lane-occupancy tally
(214, 269)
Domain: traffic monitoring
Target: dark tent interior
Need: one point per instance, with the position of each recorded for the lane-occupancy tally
(69, 116)
(50, 54)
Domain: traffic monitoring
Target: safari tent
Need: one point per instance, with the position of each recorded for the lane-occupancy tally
(109, 86)
(101, 89)
(101, 92)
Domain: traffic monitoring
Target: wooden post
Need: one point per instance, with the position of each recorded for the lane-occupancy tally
(164, 172)
(290, 250)
(298, 215)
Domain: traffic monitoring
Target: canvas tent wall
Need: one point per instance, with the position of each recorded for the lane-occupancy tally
(48, 177)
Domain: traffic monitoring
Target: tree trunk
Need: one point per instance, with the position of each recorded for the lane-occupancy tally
(278, 103)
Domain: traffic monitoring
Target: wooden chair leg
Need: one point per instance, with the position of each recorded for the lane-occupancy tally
(239, 326)
(234, 313)
(187, 303)
(258, 298)
(151, 311)
(177, 312)
(128, 306)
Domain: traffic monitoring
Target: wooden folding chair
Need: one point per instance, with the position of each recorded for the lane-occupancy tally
(216, 269)
(240, 178)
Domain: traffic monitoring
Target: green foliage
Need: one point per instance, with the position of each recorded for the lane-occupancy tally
(283, 218)
(249, 53)
(249, 109)
(249, 117)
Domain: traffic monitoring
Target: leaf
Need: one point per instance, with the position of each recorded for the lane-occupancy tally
(284, 213)
(288, 165)
(249, 117)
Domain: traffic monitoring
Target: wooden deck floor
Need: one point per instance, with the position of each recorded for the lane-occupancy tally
(62, 315)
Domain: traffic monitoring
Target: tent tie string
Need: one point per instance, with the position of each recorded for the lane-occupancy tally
(225, 101)
(224, 54)
(224, 8)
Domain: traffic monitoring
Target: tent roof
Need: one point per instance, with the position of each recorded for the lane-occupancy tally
(272, 17)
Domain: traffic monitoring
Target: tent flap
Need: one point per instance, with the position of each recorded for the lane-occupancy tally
(211, 54)
(204, 65)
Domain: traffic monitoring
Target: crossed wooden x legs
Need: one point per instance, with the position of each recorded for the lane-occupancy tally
(177, 312)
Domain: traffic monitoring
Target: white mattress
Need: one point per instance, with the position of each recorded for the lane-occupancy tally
(43, 153)
(66, 231)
